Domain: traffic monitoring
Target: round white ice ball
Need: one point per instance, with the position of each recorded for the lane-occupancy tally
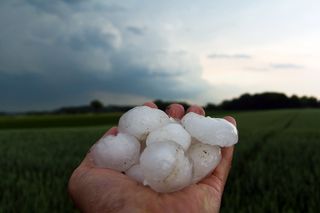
(118, 152)
(135, 172)
(205, 158)
(213, 131)
(158, 160)
(141, 120)
(165, 167)
(171, 132)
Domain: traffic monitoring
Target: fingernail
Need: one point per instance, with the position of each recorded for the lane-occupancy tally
(175, 111)
(196, 109)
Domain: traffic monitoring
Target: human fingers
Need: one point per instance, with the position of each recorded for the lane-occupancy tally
(196, 109)
(112, 131)
(175, 111)
(231, 120)
(222, 170)
(150, 104)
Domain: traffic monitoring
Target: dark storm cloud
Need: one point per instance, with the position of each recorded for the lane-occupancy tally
(136, 30)
(91, 38)
(48, 61)
(61, 6)
(69, 87)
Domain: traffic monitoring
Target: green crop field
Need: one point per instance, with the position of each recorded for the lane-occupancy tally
(276, 166)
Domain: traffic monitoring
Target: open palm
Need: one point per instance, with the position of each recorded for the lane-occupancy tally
(104, 190)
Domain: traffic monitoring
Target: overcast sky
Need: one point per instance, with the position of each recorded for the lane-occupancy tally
(55, 53)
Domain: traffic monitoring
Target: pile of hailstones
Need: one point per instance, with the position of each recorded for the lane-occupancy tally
(164, 153)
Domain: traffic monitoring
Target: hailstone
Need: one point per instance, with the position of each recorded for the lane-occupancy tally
(135, 172)
(140, 121)
(171, 132)
(164, 153)
(213, 131)
(165, 166)
(205, 158)
(118, 152)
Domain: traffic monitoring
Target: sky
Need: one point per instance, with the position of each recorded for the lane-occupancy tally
(68, 52)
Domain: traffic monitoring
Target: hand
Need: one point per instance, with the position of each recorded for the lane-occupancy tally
(104, 190)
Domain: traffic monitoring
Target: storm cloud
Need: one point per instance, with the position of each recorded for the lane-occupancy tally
(64, 53)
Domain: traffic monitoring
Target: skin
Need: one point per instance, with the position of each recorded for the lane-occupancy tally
(103, 190)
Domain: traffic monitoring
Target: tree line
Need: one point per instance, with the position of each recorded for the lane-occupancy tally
(260, 101)
(269, 100)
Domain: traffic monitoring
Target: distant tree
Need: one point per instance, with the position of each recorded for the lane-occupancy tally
(268, 100)
(294, 102)
(160, 104)
(309, 101)
(96, 105)
(164, 104)
(210, 106)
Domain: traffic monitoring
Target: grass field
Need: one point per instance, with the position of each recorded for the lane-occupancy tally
(275, 169)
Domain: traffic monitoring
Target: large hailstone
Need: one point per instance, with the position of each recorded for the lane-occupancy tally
(135, 172)
(213, 131)
(171, 132)
(170, 160)
(118, 152)
(205, 158)
(165, 166)
(141, 120)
